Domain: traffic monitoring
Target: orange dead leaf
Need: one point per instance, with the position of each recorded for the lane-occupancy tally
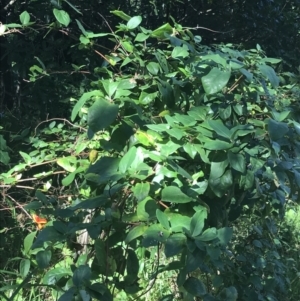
(41, 222)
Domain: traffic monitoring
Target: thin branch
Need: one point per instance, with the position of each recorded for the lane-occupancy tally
(235, 85)
(61, 119)
(200, 27)
(19, 205)
(18, 186)
(116, 37)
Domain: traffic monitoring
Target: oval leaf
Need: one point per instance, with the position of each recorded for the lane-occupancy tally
(82, 275)
(173, 194)
(62, 16)
(134, 22)
(195, 287)
(43, 258)
(101, 115)
(197, 222)
(269, 72)
(25, 18)
(135, 232)
(215, 80)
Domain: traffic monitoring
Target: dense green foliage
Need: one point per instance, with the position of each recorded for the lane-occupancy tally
(152, 156)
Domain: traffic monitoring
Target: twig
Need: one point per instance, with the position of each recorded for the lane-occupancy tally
(235, 85)
(200, 27)
(102, 56)
(61, 119)
(116, 37)
(19, 206)
(18, 186)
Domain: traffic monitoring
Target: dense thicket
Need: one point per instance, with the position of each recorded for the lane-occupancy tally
(157, 139)
(272, 24)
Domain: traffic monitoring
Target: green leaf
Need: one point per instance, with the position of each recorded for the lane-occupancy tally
(92, 35)
(215, 80)
(43, 258)
(110, 87)
(106, 168)
(80, 103)
(101, 115)
(166, 92)
(179, 170)
(217, 169)
(175, 244)
(153, 68)
(173, 194)
(100, 255)
(217, 145)
(141, 190)
(208, 235)
(163, 219)
(69, 179)
(82, 275)
(68, 295)
(82, 30)
(162, 31)
(67, 163)
(135, 232)
(195, 287)
(13, 25)
(127, 160)
(147, 98)
(62, 16)
(271, 60)
(132, 266)
(24, 267)
(169, 148)
(141, 37)
(280, 116)
(158, 127)
(247, 74)
(186, 120)
(221, 185)
(28, 242)
(178, 221)
(177, 133)
(154, 234)
(134, 22)
(71, 5)
(91, 203)
(220, 128)
(225, 235)
(162, 61)
(230, 294)
(197, 222)
(216, 58)
(179, 52)
(146, 209)
(126, 84)
(121, 14)
(277, 129)
(269, 72)
(25, 18)
(48, 234)
(190, 149)
(237, 161)
(4, 157)
(54, 275)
